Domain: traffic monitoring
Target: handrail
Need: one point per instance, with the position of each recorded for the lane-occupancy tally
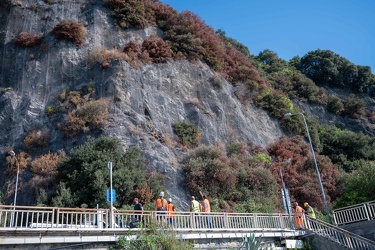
(68, 218)
(338, 235)
(355, 213)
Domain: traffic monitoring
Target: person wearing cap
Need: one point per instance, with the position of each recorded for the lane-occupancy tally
(195, 207)
(161, 206)
(298, 214)
(206, 209)
(309, 210)
(171, 209)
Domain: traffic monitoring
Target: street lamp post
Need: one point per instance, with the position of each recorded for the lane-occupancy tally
(316, 164)
(110, 195)
(285, 195)
(12, 154)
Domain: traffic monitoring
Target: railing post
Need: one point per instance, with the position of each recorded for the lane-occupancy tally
(334, 218)
(255, 221)
(366, 211)
(226, 220)
(58, 216)
(53, 217)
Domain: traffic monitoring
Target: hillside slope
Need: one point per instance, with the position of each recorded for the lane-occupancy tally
(144, 101)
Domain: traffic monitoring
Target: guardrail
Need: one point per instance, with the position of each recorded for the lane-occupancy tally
(338, 235)
(20, 217)
(360, 212)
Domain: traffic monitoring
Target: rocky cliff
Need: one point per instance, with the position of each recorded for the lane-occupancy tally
(144, 101)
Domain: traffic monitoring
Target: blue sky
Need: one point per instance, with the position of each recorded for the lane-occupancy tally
(293, 27)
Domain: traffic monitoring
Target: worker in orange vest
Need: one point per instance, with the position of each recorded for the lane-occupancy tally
(161, 206)
(298, 214)
(206, 209)
(171, 209)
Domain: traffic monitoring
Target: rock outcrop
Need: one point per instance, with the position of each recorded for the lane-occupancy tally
(145, 101)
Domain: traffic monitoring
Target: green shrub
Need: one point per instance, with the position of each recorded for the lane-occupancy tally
(355, 106)
(130, 14)
(155, 239)
(51, 110)
(335, 105)
(187, 132)
(276, 103)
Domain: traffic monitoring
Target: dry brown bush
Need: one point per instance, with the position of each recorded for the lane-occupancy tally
(46, 165)
(144, 193)
(95, 113)
(37, 138)
(71, 31)
(158, 50)
(92, 115)
(23, 159)
(104, 57)
(73, 125)
(26, 39)
(134, 53)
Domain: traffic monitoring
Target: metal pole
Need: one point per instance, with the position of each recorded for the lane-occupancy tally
(110, 195)
(285, 197)
(316, 166)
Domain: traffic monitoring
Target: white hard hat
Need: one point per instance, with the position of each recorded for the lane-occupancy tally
(161, 194)
(170, 199)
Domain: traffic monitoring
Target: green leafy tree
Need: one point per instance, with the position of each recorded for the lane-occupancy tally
(359, 186)
(335, 105)
(326, 67)
(355, 106)
(271, 61)
(345, 145)
(86, 174)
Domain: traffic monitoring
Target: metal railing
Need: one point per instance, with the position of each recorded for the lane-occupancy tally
(338, 235)
(360, 212)
(20, 217)
(51, 217)
(25, 218)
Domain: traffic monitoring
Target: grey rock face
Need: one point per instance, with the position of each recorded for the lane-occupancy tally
(145, 101)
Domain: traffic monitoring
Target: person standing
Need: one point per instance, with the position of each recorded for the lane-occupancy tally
(195, 207)
(309, 210)
(171, 210)
(160, 206)
(298, 214)
(139, 208)
(206, 209)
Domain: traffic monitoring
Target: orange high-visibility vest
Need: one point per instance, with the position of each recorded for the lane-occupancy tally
(161, 204)
(299, 211)
(206, 206)
(170, 210)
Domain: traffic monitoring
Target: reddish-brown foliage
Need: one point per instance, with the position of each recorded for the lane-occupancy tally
(22, 160)
(71, 31)
(46, 165)
(26, 39)
(158, 50)
(300, 173)
(37, 138)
